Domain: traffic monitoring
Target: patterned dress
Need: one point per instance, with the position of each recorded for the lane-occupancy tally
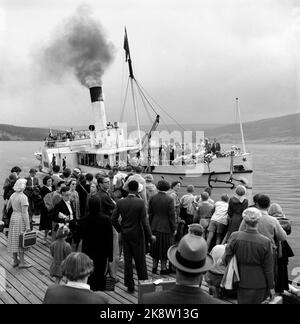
(17, 222)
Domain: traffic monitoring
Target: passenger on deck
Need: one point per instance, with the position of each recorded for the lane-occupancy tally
(207, 145)
(216, 147)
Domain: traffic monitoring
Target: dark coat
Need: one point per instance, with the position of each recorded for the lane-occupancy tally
(282, 279)
(134, 223)
(235, 211)
(106, 202)
(97, 242)
(45, 220)
(29, 182)
(82, 193)
(69, 295)
(61, 207)
(161, 212)
(179, 295)
(254, 256)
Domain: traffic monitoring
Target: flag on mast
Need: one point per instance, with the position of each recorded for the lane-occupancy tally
(126, 47)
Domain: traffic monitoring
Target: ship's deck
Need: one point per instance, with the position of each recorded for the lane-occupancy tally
(28, 286)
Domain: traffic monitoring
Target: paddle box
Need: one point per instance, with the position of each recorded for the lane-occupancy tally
(27, 239)
(154, 285)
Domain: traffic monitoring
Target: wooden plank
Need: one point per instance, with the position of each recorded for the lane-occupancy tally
(37, 279)
(6, 298)
(13, 288)
(17, 279)
(27, 279)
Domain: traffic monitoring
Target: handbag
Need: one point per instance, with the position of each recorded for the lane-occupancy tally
(27, 239)
(231, 276)
(110, 281)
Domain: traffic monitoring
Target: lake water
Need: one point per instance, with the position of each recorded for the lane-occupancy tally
(276, 173)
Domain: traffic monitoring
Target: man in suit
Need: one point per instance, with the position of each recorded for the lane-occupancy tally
(32, 192)
(191, 260)
(216, 147)
(107, 203)
(134, 225)
(64, 212)
(107, 206)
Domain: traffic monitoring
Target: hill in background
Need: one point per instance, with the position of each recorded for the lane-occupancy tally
(285, 129)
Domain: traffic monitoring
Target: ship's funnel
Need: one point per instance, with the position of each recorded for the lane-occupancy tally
(96, 94)
(98, 108)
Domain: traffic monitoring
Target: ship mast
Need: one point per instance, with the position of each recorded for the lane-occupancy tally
(132, 79)
(241, 125)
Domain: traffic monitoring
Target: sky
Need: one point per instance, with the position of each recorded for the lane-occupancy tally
(193, 56)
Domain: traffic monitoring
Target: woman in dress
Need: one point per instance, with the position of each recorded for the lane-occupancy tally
(236, 206)
(97, 242)
(74, 197)
(19, 223)
(162, 221)
(46, 221)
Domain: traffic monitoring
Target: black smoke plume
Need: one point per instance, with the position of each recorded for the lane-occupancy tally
(79, 46)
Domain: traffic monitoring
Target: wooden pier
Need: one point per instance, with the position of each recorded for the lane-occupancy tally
(28, 286)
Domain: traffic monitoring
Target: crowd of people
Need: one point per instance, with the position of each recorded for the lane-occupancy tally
(92, 222)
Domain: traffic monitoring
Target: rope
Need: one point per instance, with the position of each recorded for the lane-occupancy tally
(144, 104)
(122, 85)
(144, 96)
(124, 103)
(162, 108)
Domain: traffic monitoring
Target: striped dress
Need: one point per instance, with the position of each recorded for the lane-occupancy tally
(18, 223)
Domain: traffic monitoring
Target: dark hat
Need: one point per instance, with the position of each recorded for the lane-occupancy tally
(163, 185)
(190, 255)
(16, 169)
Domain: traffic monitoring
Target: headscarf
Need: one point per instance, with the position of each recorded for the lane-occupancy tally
(20, 185)
(275, 210)
(217, 252)
(240, 193)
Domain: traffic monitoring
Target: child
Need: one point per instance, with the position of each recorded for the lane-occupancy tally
(218, 221)
(214, 276)
(59, 250)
